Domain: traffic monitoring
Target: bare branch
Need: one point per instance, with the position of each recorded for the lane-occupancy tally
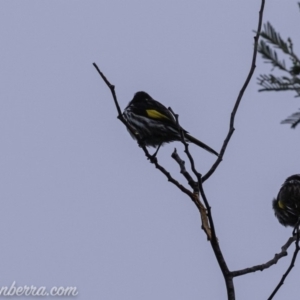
(192, 183)
(292, 264)
(207, 218)
(112, 89)
(239, 98)
(217, 250)
(194, 186)
(268, 264)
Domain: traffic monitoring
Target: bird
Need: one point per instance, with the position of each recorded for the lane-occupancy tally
(154, 124)
(287, 204)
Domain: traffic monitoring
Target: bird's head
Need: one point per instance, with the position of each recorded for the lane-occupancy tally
(140, 97)
(295, 177)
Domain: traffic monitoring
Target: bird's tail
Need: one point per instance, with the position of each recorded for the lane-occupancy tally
(200, 144)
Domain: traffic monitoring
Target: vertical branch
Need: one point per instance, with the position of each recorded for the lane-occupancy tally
(216, 247)
(292, 264)
(214, 241)
(240, 96)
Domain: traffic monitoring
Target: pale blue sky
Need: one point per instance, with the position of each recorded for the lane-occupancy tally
(81, 205)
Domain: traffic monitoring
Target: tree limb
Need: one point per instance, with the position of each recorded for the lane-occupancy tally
(268, 264)
(239, 98)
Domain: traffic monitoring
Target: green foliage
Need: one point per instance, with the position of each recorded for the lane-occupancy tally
(294, 120)
(270, 45)
(273, 83)
(270, 55)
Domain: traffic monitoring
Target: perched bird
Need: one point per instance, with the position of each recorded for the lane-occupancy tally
(154, 123)
(287, 203)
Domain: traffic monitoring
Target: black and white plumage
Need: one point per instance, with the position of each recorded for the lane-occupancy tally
(154, 123)
(287, 203)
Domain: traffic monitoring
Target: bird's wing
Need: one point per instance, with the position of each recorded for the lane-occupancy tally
(160, 112)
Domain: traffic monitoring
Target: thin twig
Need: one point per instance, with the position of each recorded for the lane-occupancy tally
(292, 264)
(214, 242)
(216, 248)
(202, 209)
(186, 145)
(213, 238)
(194, 185)
(268, 264)
(112, 89)
(239, 98)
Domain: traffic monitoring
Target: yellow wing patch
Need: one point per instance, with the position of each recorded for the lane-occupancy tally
(152, 113)
(281, 205)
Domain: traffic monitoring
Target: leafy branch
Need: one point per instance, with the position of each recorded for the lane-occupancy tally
(270, 42)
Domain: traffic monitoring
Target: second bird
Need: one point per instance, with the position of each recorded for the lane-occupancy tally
(154, 123)
(287, 203)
